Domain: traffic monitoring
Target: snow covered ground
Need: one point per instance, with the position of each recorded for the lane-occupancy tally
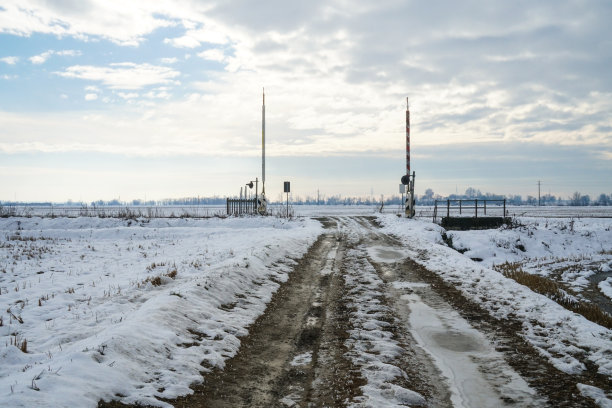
(112, 308)
(567, 339)
(570, 251)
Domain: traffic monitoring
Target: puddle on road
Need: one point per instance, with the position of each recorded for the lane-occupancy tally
(477, 374)
(456, 341)
(385, 254)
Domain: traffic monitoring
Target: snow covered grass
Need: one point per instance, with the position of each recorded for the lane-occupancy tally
(551, 289)
(110, 308)
(568, 340)
(571, 252)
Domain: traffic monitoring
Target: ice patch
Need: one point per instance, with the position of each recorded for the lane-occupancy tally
(460, 352)
(302, 359)
(409, 285)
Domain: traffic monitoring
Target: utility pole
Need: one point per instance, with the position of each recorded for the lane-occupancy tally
(539, 201)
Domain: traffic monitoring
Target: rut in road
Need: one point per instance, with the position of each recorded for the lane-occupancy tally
(295, 353)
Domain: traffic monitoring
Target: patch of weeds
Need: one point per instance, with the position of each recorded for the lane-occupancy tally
(552, 290)
(448, 240)
(155, 265)
(20, 343)
(158, 280)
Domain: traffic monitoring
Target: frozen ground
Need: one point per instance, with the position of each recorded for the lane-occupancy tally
(109, 308)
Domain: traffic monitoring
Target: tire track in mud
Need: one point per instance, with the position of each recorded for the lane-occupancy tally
(294, 354)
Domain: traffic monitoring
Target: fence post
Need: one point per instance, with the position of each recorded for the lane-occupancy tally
(485, 207)
(504, 207)
(460, 201)
(447, 208)
(476, 208)
(435, 210)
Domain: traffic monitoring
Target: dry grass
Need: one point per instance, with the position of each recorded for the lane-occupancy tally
(552, 290)
(157, 280)
(21, 344)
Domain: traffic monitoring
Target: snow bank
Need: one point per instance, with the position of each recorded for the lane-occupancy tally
(132, 310)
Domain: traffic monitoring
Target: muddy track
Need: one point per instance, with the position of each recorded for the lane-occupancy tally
(559, 388)
(294, 353)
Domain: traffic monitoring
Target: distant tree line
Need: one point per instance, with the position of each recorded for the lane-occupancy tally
(576, 199)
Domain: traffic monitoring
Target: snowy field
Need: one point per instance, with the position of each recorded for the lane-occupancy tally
(206, 211)
(108, 307)
(112, 308)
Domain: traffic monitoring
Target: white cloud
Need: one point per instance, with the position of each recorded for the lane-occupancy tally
(64, 96)
(91, 97)
(124, 75)
(169, 60)
(10, 60)
(157, 95)
(185, 41)
(69, 53)
(43, 57)
(213, 54)
(210, 33)
(9, 77)
(128, 95)
(124, 23)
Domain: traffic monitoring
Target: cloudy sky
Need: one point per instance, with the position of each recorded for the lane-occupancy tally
(102, 99)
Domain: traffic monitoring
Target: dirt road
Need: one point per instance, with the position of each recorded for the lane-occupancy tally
(358, 323)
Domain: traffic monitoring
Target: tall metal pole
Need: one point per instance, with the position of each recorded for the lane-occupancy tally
(407, 138)
(263, 143)
(262, 202)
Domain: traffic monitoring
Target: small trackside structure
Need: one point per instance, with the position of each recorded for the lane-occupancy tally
(471, 214)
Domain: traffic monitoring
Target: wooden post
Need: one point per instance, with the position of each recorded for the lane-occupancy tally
(504, 207)
(460, 201)
(447, 208)
(485, 207)
(476, 208)
(435, 210)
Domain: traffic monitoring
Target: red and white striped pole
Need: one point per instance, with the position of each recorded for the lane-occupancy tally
(408, 180)
(407, 138)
